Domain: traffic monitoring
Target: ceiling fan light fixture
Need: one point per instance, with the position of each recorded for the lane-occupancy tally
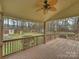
(48, 5)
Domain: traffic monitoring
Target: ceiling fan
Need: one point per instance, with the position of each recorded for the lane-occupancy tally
(46, 5)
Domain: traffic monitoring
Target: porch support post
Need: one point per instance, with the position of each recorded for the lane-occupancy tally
(1, 34)
(44, 32)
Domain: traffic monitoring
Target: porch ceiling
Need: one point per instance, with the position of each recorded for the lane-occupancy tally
(26, 9)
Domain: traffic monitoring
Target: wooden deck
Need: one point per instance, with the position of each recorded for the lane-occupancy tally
(55, 49)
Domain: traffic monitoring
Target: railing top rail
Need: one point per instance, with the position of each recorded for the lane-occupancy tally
(22, 38)
(26, 37)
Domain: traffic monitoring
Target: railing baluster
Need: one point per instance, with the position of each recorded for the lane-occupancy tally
(36, 40)
(8, 47)
(12, 46)
(4, 49)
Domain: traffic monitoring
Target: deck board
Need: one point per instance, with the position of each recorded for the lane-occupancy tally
(55, 49)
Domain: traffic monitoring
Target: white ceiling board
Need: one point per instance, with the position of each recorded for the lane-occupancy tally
(26, 9)
(63, 4)
(70, 11)
(0, 6)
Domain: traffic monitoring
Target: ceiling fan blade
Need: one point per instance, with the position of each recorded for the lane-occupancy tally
(52, 2)
(39, 9)
(53, 8)
(39, 3)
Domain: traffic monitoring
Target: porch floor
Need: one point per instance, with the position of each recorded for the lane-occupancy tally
(56, 49)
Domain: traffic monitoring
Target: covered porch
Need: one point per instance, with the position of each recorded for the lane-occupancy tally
(31, 30)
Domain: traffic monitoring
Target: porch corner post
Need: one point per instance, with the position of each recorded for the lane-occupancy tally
(44, 32)
(1, 34)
